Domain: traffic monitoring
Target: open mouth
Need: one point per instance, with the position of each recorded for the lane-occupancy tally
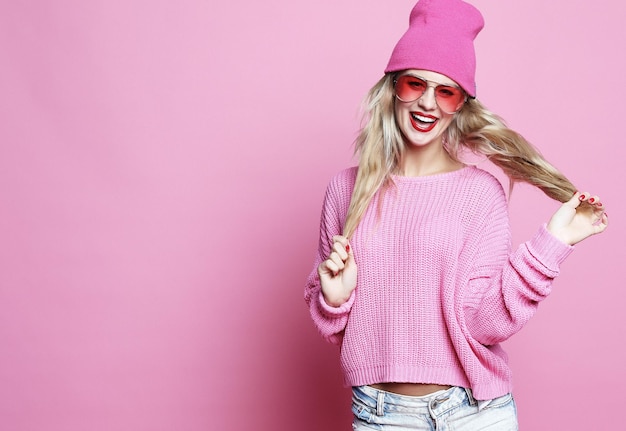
(422, 122)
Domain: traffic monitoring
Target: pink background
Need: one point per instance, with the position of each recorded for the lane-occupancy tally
(162, 170)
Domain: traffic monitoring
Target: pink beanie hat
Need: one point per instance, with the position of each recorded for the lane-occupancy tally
(440, 38)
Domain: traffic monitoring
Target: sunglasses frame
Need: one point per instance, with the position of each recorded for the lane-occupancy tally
(434, 85)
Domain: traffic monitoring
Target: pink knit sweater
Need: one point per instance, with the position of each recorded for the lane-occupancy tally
(438, 285)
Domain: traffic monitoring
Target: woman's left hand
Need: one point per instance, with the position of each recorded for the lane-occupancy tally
(573, 222)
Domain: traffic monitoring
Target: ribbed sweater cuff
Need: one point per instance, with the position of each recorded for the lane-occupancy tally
(548, 249)
(329, 311)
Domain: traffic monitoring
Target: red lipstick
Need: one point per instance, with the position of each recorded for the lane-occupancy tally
(423, 122)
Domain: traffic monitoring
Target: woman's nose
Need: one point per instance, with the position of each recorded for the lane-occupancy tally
(427, 101)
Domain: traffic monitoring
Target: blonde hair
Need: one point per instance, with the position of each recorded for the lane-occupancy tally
(380, 146)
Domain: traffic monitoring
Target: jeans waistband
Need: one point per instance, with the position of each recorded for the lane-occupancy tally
(382, 409)
(382, 401)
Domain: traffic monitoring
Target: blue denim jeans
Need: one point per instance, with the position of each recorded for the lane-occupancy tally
(450, 410)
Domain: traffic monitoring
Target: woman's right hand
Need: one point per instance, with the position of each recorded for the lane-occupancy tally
(338, 273)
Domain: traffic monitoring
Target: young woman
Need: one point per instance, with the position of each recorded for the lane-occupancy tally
(415, 276)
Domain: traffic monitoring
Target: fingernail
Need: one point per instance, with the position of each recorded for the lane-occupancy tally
(348, 248)
(599, 204)
(592, 200)
(581, 197)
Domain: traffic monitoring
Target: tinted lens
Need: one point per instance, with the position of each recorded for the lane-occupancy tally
(449, 99)
(410, 88)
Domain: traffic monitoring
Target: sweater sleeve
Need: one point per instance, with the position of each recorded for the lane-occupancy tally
(506, 287)
(329, 321)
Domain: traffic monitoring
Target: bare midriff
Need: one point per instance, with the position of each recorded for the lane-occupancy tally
(410, 389)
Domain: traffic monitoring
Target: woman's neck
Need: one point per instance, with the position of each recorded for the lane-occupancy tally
(426, 160)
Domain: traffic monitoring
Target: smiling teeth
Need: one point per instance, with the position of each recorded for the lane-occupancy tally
(423, 119)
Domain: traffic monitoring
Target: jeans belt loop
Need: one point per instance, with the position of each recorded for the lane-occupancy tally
(470, 397)
(380, 404)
